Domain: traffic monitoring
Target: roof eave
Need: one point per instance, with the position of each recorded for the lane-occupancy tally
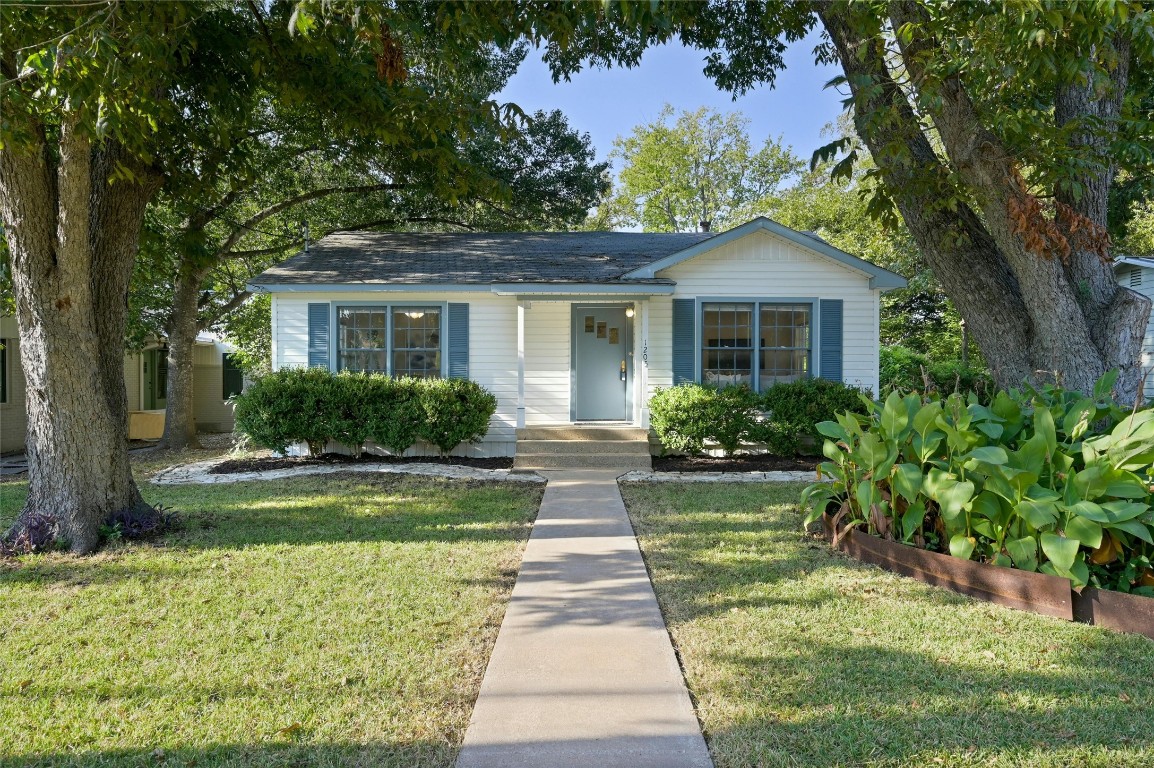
(880, 278)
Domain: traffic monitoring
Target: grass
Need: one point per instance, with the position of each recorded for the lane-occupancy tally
(799, 656)
(332, 621)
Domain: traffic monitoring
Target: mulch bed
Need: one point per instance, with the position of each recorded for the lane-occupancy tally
(233, 466)
(764, 462)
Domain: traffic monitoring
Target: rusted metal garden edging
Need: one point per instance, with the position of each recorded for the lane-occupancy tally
(1026, 591)
(1115, 610)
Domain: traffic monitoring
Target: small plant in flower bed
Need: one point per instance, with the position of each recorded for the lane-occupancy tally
(1043, 480)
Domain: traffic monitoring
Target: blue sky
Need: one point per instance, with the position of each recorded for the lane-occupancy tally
(609, 103)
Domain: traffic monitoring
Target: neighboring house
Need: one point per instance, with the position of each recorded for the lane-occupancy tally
(215, 378)
(580, 327)
(1138, 273)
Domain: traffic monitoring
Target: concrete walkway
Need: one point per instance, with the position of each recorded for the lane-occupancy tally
(583, 672)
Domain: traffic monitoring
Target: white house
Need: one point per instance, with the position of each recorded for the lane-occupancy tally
(215, 379)
(579, 327)
(1138, 273)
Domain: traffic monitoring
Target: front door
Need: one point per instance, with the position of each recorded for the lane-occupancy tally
(601, 339)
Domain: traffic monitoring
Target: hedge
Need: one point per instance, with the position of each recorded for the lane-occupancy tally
(687, 417)
(903, 370)
(314, 406)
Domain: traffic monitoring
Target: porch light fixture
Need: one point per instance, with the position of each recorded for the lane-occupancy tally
(416, 314)
(629, 312)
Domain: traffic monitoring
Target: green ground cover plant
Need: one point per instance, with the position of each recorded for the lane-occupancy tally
(314, 406)
(799, 656)
(1044, 480)
(336, 621)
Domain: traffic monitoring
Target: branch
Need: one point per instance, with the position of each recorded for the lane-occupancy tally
(394, 222)
(273, 210)
(237, 299)
(270, 251)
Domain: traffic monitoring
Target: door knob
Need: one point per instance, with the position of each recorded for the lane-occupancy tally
(623, 370)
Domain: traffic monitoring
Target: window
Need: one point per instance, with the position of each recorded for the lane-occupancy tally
(727, 341)
(736, 334)
(231, 375)
(401, 341)
(784, 347)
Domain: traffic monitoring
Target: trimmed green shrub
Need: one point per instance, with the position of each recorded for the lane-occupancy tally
(286, 407)
(345, 406)
(1044, 480)
(903, 370)
(314, 406)
(687, 416)
(793, 410)
(456, 411)
(393, 414)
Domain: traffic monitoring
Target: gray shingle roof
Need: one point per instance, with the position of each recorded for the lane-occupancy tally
(447, 258)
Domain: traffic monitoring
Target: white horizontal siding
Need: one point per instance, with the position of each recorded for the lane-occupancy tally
(547, 362)
(1144, 286)
(763, 265)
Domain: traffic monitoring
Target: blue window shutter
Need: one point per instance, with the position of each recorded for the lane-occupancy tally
(458, 341)
(319, 335)
(684, 342)
(830, 314)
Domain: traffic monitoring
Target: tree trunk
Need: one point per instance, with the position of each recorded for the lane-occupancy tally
(179, 415)
(72, 237)
(1034, 318)
(955, 245)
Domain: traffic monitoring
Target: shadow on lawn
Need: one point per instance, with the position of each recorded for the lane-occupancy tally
(279, 753)
(924, 679)
(312, 511)
(844, 708)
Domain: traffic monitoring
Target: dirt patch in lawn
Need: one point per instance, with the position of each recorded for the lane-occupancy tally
(764, 462)
(262, 464)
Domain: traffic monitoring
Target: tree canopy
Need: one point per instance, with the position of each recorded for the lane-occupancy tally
(699, 170)
(108, 103)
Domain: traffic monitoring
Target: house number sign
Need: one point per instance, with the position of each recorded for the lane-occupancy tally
(645, 351)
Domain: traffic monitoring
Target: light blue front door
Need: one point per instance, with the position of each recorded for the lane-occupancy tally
(601, 339)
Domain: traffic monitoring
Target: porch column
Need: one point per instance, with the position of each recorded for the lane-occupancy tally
(520, 365)
(644, 367)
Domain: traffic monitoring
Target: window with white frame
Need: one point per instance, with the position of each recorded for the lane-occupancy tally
(398, 340)
(755, 343)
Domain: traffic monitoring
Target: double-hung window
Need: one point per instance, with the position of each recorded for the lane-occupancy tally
(397, 340)
(755, 343)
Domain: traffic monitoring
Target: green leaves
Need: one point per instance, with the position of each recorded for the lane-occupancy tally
(1061, 551)
(1029, 493)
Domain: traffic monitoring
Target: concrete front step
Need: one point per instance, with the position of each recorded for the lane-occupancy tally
(580, 432)
(622, 461)
(581, 446)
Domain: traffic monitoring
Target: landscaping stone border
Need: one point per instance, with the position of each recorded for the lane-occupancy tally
(198, 472)
(778, 476)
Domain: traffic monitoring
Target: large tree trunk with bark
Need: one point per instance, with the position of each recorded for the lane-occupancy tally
(73, 236)
(179, 415)
(1036, 317)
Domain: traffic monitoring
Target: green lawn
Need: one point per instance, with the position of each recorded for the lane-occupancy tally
(798, 656)
(331, 621)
